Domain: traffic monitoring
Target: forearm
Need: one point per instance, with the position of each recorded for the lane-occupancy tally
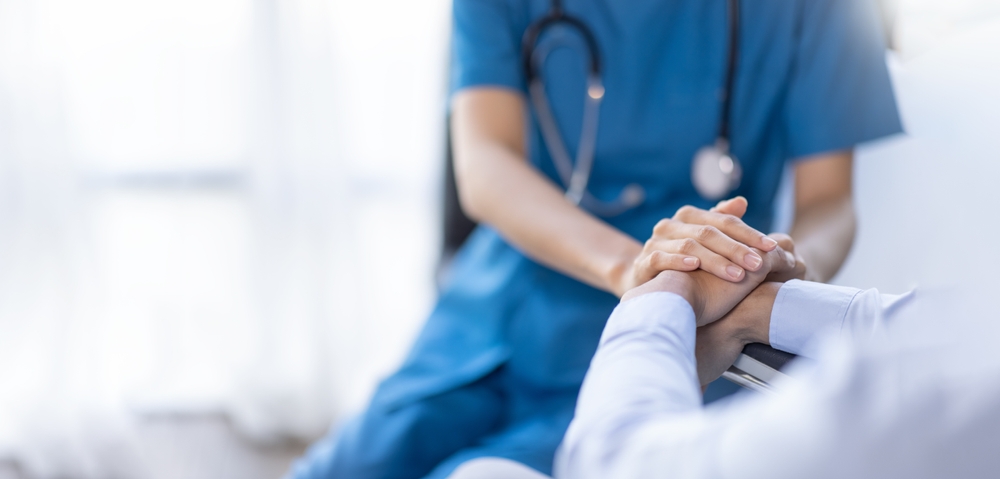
(498, 186)
(824, 234)
(824, 223)
(539, 220)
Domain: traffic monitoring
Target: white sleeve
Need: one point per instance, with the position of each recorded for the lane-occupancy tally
(805, 310)
(639, 414)
(644, 366)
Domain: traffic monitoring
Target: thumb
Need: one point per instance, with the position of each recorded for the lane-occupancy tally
(734, 206)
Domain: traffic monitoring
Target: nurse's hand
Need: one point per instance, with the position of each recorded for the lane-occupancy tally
(710, 297)
(717, 241)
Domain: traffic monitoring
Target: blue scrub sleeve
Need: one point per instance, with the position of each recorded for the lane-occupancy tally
(840, 93)
(487, 44)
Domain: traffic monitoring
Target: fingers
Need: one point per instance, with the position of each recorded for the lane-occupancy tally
(651, 264)
(791, 267)
(734, 206)
(709, 260)
(718, 242)
(780, 262)
(784, 241)
(731, 225)
(715, 240)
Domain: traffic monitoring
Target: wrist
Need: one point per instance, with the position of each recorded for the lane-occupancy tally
(617, 272)
(682, 285)
(756, 313)
(675, 282)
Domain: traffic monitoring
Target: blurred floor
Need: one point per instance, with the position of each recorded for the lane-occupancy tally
(200, 447)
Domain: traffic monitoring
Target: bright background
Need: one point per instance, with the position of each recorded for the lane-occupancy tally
(219, 219)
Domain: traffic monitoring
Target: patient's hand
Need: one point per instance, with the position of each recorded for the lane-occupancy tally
(719, 344)
(798, 271)
(709, 296)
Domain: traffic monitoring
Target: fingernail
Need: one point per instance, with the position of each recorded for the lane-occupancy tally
(753, 261)
(691, 261)
(769, 243)
(790, 257)
(734, 272)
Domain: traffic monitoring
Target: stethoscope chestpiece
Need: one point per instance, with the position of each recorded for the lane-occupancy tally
(715, 172)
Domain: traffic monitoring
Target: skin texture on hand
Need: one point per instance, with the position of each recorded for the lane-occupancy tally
(728, 315)
(718, 344)
(716, 241)
(710, 297)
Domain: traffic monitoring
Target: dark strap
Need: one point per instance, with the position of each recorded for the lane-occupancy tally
(771, 357)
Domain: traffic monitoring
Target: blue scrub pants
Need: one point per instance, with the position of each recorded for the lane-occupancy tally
(496, 416)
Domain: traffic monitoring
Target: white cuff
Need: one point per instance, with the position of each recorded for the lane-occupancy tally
(655, 313)
(803, 309)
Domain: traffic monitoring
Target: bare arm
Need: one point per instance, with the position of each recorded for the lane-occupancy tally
(498, 186)
(825, 223)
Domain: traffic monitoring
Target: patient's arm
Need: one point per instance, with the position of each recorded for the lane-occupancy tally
(639, 412)
(788, 317)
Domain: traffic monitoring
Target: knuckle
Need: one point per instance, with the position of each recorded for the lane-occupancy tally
(706, 232)
(730, 221)
(655, 258)
(687, 246)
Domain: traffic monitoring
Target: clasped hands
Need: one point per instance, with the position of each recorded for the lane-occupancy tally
(731, 293)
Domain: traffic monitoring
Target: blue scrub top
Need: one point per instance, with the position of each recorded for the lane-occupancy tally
(811, 78)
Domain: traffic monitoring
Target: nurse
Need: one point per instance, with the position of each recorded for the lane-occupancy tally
(498, 365)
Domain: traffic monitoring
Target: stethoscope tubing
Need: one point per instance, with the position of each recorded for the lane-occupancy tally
(576, 176)
(734, 48)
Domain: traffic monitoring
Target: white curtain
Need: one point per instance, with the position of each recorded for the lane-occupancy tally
(209, 207)
(230, 207)
(927, 199)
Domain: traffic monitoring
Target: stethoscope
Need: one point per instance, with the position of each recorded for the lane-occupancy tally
(715, 172)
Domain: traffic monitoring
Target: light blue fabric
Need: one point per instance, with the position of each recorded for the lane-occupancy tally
(802, 309)
(805, 311)
(811, 78)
